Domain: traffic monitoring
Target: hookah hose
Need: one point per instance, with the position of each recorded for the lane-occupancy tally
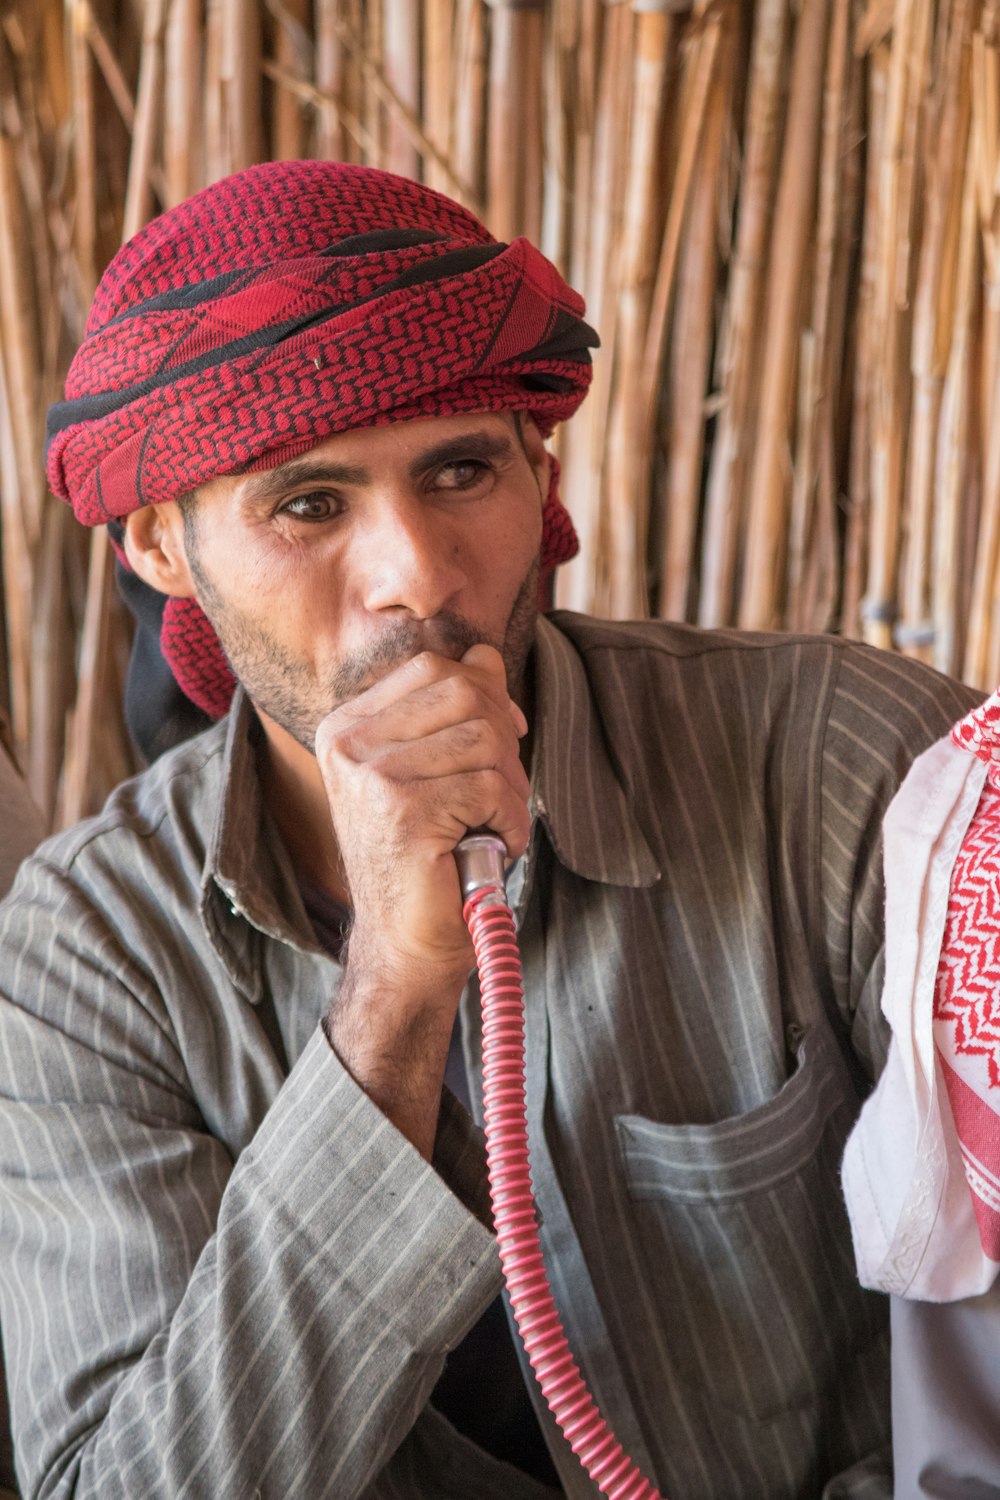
(480, 860)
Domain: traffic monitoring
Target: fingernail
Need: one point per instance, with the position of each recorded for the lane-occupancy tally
(520, 722)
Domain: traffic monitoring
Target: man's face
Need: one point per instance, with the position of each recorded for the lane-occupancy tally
(323, 574)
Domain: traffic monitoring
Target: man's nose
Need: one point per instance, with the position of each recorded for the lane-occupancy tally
(412, 561)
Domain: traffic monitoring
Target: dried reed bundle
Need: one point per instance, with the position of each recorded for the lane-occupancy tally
(847, 326)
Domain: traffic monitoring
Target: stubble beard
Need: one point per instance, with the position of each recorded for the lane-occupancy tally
(284, 687)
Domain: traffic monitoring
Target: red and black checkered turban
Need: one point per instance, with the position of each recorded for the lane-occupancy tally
(285, 304)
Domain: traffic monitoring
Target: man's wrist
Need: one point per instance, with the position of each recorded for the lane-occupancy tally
(394, 1042)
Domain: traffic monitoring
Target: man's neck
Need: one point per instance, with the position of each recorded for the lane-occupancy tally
(296, 799)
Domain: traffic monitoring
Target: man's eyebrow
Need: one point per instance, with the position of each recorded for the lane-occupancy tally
(257, 488)
(296, 472)
(477, 444)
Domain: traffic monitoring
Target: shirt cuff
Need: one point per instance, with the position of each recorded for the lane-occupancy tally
(390, 1224)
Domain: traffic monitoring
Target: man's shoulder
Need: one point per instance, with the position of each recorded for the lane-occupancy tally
(169, 806)
(767, 654)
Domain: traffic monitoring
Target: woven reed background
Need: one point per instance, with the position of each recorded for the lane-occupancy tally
(785, 220)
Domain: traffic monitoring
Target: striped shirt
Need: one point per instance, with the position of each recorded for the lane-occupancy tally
(216, 1280)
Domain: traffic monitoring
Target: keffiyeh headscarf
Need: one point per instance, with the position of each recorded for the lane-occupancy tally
(283, 305)
(921, 1170)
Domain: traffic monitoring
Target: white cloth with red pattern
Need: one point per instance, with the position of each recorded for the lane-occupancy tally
(921, 1171)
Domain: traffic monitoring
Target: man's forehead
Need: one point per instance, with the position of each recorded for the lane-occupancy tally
(351, 457)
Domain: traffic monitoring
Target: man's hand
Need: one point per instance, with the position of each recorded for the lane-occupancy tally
(426, 753)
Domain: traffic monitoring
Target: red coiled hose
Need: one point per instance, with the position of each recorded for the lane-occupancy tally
(491, 924)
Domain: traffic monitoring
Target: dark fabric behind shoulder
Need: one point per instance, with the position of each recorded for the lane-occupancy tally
(159, 716)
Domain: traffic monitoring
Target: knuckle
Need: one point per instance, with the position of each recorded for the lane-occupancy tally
(463, 695)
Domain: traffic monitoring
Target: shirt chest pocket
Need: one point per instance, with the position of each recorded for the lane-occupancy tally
(747, 1246)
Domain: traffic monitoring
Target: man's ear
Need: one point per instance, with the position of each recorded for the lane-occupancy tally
(154, 546)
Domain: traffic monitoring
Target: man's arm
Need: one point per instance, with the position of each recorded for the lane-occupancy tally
(886, 711)
(175, 1323)
(205, 1327)
(428, 752)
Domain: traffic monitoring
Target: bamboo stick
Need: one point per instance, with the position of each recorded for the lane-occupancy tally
(691, 355)
(239, 74)
(384, 93)
(824, 582)
(628, 459)
(17, 577)
(559, 59)
(139, 193)
(954, 456)
(582, 584)
(368, 30)
(292, 52)
(891, 316)
(332, 140)
(514, 122)
(986, 117)
(733, 439)
(439, 28)
(49, 650)
(183, 155)
(979, 652)
(76, 798)
(215, 148)
(84, 147)
(768, 496)
(859, 491)
(110, 69)
(20, 338)
(401, 65)
(933, 316)
(811, 521)
(467, 144)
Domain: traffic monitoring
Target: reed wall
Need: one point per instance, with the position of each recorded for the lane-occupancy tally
(785, 220)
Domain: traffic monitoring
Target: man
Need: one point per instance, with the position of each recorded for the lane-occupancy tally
(246, 1243)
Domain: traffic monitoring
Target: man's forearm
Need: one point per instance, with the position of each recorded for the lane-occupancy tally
(310, 1332)
(392, 1033)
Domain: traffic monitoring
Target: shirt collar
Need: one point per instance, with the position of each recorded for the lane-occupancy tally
(577, 796)
(577, 791)
(247, 868)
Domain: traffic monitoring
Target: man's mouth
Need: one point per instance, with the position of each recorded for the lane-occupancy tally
(446, 634)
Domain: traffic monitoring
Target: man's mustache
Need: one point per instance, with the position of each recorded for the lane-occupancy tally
(448, 634)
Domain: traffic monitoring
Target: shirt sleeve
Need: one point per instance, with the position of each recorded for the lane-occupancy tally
(885, 711)
(178, 1323)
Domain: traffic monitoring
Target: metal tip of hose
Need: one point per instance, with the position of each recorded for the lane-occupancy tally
(480, 858)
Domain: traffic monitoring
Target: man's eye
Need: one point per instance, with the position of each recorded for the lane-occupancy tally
(317, 505)
(463, 474)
